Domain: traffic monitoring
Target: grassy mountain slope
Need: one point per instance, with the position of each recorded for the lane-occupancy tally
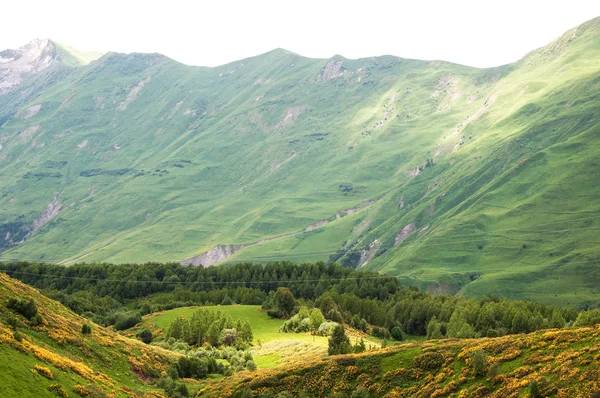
(457, 179)
(560, 363)
(511, 209)
(102, 363)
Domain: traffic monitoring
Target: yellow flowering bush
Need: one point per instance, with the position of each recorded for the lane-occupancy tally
(43, 371)
(81, 391)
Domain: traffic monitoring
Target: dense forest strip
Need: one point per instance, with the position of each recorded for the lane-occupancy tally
(105, 293)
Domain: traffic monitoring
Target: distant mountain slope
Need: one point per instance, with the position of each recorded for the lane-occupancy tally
(56, 353)
(458, 179)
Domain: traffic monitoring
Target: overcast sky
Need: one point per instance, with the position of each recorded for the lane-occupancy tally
(476, 33)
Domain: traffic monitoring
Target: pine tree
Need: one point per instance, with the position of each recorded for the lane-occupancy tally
(339, 343)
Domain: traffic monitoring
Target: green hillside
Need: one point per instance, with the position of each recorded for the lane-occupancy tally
(457, 179)
(56, 353)
(552, 363)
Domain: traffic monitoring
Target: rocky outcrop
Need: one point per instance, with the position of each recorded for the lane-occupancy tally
(332, 70)
(52, 211)
(367, 255)
(405, 233)
(132, 94)
(290, 115)
(213, 256)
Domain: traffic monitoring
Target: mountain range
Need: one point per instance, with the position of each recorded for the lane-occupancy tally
(455, 179)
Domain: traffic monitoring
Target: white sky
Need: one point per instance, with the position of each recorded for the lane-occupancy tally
(477, 33)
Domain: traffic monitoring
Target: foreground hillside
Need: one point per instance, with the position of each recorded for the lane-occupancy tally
(457, 179)
(55, 358)
(46, 353)
(558, 363)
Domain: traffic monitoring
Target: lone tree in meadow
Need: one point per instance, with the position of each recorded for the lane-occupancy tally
(285, 301)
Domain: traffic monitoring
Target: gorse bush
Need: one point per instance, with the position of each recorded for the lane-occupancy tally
(43, 371)
(428, 361)
(58, 390)
(82, 391)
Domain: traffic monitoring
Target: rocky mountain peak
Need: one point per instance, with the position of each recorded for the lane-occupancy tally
(34, 57)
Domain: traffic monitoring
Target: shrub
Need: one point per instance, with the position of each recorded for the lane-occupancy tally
(58, 390)
(494, 370)
(36, 320)
(534, 389)
(193, 367)
(493, 333)
(360, 346)
(12, 322)
(428, 361)
(382, 333)
(397, 333)
(86, 329)
(326, 328)
(145, 335)
(360, 393)
(182, 390)
(250, 365)
(26, 308)
(355, 322)
(364, 325)
(43, 371)
(81, 391)
(291, 325)
(127, 320)
(145, 309)
(479, 362)
(229, 337)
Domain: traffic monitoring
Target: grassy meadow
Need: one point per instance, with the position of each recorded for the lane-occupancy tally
(270, 347)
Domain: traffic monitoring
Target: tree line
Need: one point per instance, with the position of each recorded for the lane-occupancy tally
(107, 293)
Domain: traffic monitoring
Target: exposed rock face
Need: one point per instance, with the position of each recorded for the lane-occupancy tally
(290, 115)
(51, 212)
(16, 65)
(26, 134)
(132, 94)
(32, 111)
(332, 70)
(367, 255)
(405, 233)
(213, 256)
